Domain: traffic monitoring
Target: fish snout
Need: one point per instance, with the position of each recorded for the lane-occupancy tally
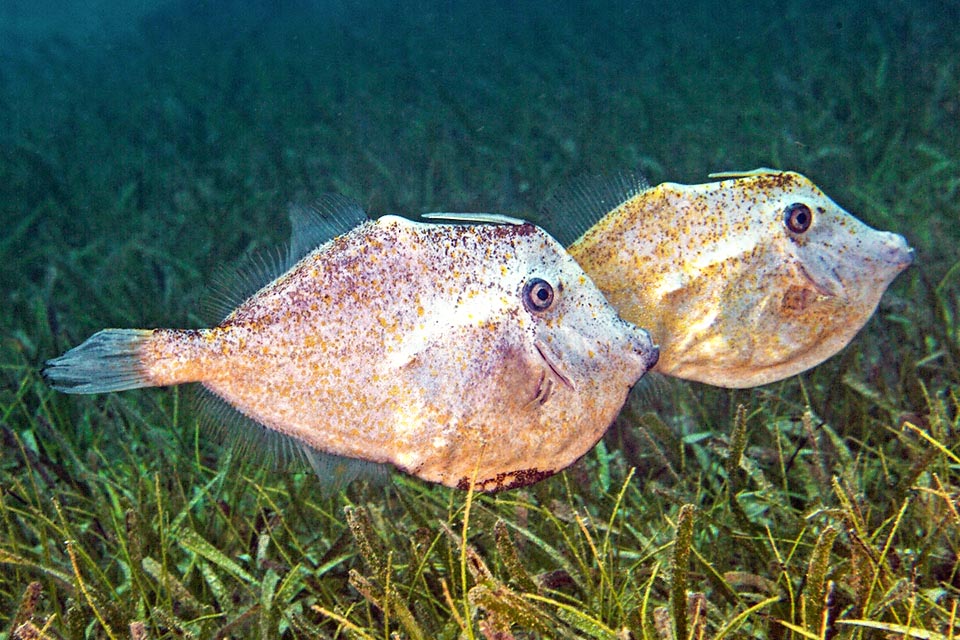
(652, 356)
(896, 252)
(645, 348)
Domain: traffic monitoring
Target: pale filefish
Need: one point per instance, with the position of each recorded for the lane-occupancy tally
(741, 282)
(460, 353)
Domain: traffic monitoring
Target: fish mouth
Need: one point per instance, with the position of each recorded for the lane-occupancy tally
(897, 253)
(643, 346)
(651, 356)
(545, 384)
(908, 257)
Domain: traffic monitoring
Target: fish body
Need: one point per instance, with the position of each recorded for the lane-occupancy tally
(744, 281)
(462, 354)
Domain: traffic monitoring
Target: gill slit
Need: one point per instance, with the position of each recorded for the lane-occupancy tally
(819, 288)
(564, 379)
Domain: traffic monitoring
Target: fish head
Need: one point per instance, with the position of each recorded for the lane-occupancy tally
(743, 281)
(819, 274)
(579, 361)
(545, 363)
(570, 323)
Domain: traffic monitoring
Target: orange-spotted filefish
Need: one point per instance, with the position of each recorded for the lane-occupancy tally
(743, 281)
(459, 353)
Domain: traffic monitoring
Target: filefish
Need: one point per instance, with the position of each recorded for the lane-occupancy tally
(464, 354)
(742, 282)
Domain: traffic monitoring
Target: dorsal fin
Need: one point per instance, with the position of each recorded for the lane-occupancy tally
(481, 218)
(232, 284)
(311, 225)
(572, 210)
(325, 218)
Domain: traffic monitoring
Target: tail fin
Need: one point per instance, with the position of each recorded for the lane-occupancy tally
(109, 360)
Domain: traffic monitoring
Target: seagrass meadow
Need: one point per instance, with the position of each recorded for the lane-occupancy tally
(140, 153)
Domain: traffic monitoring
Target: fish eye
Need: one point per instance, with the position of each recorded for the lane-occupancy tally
(797, 217)
(537, 295)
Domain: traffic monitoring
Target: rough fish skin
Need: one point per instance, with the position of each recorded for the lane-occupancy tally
(732, 295)
(407, 343)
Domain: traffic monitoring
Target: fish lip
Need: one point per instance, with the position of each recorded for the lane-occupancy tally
(650, 356)
(556, 371)
(902, 257)
(895, 252)
(643, 346)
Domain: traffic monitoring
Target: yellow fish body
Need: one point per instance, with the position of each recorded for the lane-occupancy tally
(454, 352)
(744, 281)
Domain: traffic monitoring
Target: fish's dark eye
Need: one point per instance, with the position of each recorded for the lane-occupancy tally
(797, 217)
(537, 295)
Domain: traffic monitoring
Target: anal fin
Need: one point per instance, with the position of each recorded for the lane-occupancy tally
(250, 438)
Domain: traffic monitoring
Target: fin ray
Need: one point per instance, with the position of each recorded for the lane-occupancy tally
(247, 437)
(336, 473)
(109, 360)
(573, 210)
(231, 286)
(311, 225)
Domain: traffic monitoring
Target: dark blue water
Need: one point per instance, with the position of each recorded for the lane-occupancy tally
(187, 125)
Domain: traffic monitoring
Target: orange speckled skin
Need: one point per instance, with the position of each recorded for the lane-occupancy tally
(732, 296)
(409, 343)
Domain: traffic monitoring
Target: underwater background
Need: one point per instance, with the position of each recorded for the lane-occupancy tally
(145, 145)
